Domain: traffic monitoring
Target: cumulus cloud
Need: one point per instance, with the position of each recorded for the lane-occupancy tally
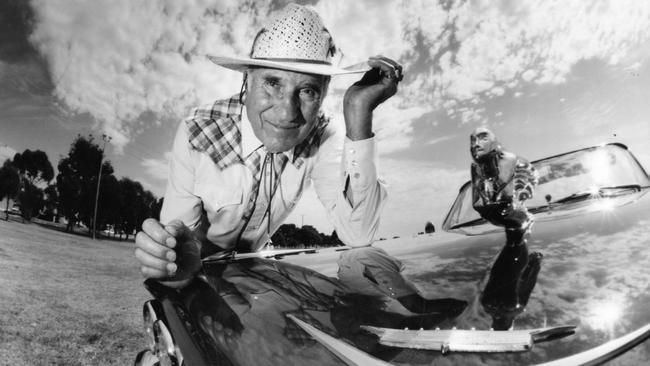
(480, 48)
(119, 59)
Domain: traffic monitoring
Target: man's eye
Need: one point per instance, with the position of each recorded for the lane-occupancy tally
(309, 93)
(272, 83)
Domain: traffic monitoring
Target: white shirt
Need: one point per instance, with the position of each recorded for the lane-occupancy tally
(196, 184)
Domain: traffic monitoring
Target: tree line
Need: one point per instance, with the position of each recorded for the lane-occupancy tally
(122, 204)
(28, 179)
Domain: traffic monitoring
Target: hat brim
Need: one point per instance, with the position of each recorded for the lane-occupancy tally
(241, 64)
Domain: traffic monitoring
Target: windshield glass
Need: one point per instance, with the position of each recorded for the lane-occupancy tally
(575, 173)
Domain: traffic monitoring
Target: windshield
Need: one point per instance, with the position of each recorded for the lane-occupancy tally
(582, 174)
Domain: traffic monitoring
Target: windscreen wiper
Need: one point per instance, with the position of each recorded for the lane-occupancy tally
(478, 221)
(601, 192)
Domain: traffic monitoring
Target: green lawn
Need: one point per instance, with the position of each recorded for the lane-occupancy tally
(66, 299)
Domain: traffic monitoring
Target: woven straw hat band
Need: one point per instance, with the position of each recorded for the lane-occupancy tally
(296, 34)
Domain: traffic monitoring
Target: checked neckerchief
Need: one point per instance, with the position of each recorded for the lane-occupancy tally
(216, 131)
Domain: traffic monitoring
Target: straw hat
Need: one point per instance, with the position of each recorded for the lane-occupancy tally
(295, 40)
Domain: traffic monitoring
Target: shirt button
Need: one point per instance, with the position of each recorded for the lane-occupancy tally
(357, 175)
(354, 163)
(352, 151)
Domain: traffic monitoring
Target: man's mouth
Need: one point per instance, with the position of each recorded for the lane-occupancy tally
(283, 125)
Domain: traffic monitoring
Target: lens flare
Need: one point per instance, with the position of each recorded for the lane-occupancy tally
(604, 315)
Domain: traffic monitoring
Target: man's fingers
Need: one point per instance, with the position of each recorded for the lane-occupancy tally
(145, 243)
(390, 69)
(149, 260)
(175, 228)
(148, 272)
(157, 232)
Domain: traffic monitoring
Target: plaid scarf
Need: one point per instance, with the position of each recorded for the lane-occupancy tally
(216, 131)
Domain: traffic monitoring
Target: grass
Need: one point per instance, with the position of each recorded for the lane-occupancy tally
(67, 299)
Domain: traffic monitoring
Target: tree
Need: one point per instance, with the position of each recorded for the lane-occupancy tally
(136, 205)
(31, 200)
(308, 236)
(34, 168)
(429, 228)
(77, 181)
(9, 184)
(50, 202)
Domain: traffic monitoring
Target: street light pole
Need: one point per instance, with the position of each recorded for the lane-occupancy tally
(99, 179)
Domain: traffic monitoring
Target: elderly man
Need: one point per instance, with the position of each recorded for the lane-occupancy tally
(239, 166)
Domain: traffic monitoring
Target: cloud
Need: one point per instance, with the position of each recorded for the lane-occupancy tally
(478, 48)
(6, 152)
(440, 139)
(157, 189)
(119, 59)
(139, 58)
(157, 168)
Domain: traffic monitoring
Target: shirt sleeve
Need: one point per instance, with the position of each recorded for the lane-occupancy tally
(180, 203)
(346, 182)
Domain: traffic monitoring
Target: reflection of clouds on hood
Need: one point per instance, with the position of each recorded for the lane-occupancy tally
(601, 274)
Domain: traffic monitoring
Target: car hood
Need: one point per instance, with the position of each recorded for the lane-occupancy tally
(585, 265)
(593, 271)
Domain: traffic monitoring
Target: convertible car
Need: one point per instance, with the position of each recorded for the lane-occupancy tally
(576, 293)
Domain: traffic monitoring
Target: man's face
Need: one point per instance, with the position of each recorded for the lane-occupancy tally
(283, 106)
(482, 142)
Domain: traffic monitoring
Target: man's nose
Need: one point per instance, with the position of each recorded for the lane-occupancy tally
(287, 107)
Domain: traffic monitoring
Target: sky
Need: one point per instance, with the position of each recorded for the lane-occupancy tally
(546, 76)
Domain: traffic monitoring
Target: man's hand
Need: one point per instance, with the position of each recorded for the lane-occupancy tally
(169, 253)
(375, 87)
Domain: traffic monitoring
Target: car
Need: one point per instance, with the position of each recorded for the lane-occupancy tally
(577, 291)
(15, 209)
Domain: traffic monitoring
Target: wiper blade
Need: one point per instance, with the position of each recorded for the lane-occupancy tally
(478, 221)
(600, 193)
(635, 187)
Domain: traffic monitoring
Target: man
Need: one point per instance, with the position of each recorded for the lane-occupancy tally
(236, 173)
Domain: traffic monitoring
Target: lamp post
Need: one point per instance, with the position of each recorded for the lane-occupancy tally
(106, 139)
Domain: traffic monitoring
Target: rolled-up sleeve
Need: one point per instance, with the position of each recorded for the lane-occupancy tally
(347, 184)
(180, 203)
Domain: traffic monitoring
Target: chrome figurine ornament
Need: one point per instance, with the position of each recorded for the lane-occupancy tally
(501, 183)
